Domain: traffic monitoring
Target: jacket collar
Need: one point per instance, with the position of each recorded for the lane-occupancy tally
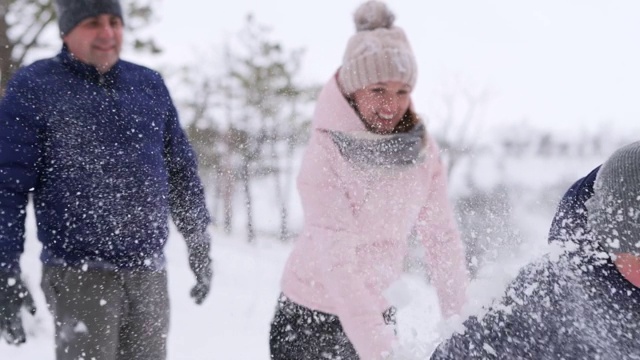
(87, 71)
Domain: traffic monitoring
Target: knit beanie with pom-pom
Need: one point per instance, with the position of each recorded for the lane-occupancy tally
(377, 52)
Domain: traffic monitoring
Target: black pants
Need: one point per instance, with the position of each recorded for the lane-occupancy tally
(299, 333)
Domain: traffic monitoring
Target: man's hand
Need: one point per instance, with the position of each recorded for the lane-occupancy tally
(13, 296)
(200, 263)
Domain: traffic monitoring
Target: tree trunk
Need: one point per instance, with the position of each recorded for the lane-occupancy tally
(284, 220)
(7, 65)
(247, 191)
(226, 188)
(280, 198)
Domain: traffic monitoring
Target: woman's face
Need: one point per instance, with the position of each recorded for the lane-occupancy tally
(382, 105)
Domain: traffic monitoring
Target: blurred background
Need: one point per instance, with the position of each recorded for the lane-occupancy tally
(524, 98)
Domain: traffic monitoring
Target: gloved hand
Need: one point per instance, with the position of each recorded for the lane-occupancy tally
(198, 246)
(13, 296)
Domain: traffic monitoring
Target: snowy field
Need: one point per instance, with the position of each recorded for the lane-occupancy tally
(233, 323)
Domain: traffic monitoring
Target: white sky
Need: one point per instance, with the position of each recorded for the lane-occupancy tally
(558, 63)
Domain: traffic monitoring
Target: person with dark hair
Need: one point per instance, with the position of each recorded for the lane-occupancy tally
(582, 301)
(370, 175)
(97, 142)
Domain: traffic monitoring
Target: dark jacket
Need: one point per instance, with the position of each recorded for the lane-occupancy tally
(573, 304)
(106, 160)
(570, 221)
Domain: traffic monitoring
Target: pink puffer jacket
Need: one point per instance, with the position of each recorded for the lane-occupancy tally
(356, 224)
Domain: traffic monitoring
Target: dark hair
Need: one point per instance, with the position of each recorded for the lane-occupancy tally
(406, 124)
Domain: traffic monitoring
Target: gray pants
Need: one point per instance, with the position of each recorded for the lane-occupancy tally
(108, 315)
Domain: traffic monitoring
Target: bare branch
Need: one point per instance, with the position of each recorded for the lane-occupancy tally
(34, 40)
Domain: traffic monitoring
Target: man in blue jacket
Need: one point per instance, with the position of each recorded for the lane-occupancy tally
(582, 302)
(97, 142)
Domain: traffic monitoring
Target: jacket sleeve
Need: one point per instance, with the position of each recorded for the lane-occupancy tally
(330, 216)
(20, 149)
(444, 250)
(186, 194)
(518, 326)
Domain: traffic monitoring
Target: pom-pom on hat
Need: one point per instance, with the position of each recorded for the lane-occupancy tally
(72, 12)
(377, 52)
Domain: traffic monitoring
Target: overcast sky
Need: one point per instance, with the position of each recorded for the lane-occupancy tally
(558, 63)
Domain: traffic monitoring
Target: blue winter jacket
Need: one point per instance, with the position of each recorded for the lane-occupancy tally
(105, 159)
(573, 305)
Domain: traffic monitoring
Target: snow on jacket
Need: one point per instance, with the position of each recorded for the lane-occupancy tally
(572, 305)
(570, 221)
(105, 159)
(357, 219)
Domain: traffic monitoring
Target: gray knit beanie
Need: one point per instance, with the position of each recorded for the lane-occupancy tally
(72, 12)
(614, 208)
(377, 52)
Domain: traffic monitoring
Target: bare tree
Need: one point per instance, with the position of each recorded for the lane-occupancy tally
(457, 121)
(263, 74)
(256, 113)
(23, 24)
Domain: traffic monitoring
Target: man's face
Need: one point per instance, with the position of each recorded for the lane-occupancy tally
(96, 41)
(629, 266)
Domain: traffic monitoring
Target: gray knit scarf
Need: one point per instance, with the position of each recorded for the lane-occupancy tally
(382, 150)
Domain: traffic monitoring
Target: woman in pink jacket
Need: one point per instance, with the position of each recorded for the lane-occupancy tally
(371, 174)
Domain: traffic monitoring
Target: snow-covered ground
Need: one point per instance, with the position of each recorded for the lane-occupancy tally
(233, 323)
